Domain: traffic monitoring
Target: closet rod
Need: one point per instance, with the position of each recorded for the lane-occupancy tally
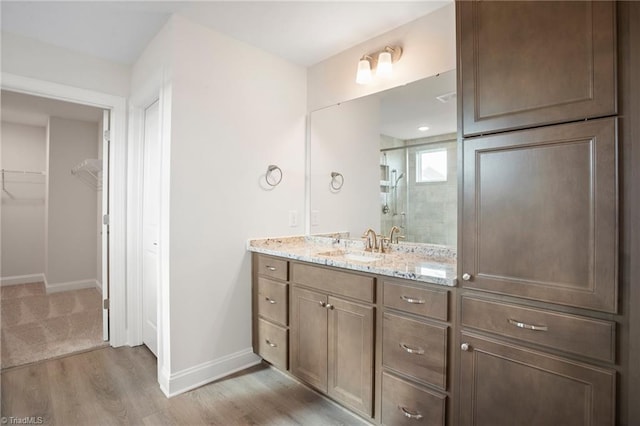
(24, 172)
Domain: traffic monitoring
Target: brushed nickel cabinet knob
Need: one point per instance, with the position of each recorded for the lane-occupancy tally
(466, 277)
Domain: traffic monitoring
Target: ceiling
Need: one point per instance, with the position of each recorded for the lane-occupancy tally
(302, 32)
(403, 109)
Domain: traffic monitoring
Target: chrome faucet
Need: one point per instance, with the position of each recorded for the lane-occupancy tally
(371, 243)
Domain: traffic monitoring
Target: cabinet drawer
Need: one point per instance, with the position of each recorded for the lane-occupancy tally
(334, 282)
(272, 267)
(588, 337)
(421, 301)
(404, 403)
(272, 343)
(272, 300)
(415, 348)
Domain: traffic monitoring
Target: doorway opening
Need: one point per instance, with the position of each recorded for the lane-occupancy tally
(55, 241)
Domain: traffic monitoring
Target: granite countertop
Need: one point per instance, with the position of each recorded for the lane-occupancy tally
(418, 262)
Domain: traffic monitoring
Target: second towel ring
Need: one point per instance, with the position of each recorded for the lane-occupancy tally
(337, 180)
(269, 176)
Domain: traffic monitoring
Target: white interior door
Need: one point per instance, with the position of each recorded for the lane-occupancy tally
(106, 125)
(151, 226)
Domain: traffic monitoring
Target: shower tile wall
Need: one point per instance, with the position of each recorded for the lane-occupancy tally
(431, 208)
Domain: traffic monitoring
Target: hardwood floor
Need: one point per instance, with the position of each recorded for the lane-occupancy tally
(119, 386)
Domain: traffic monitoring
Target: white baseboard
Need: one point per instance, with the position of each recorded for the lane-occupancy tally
(71, 285)
(207, 372)
(22, 279)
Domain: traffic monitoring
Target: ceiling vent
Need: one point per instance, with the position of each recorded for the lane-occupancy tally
(447, 97)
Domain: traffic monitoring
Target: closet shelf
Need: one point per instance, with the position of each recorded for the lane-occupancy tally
(88, 170)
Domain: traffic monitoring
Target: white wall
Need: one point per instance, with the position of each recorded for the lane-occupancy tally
(71, 242)
(225, 118)
(235, 110)
(32, 58)
(429, 45)
(345, 140)
(23, 217)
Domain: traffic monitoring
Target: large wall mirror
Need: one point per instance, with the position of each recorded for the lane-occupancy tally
(396, 152)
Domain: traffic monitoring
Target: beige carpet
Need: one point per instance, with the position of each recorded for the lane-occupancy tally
(36, 326)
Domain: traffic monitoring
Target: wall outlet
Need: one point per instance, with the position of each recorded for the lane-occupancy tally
(293, 218)
(315, 217)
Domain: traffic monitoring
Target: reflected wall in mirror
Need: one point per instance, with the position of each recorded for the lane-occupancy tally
(397, 152)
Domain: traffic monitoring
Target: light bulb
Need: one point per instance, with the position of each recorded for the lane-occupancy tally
(364, 72)
(385, 65)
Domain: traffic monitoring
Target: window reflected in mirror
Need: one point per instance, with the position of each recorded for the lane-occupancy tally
(431, 165)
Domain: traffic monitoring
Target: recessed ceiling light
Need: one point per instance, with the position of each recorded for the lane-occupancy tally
(423, 128)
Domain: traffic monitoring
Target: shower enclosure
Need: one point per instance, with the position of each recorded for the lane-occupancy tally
(418, 191)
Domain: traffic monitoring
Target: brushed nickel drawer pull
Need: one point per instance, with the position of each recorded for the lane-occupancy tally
(412, 300)
(411, 415)
(271, 268)
(527, 326)
(273, 302)
(415, 351)
(273, 345)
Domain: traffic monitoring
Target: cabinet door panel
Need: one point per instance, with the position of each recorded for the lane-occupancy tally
(501, 384)
(527, 63)
(351, 365)
(308, 338)
(540, 214)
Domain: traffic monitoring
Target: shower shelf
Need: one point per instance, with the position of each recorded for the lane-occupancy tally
(89, 172)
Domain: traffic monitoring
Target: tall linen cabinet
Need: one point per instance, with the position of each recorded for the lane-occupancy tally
(541, 321)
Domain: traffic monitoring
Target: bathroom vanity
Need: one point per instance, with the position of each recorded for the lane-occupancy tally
(371, 331)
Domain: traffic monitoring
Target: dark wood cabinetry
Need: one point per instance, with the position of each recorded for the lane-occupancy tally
(415, 354)
(271, 309)
(309, 337)
(332, 339)
(529, 63)
(538, 314)
(540, 214)
(503, 384)
(404, 403)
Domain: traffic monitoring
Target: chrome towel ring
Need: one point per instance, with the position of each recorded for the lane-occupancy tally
(337, 180)
(273, 175)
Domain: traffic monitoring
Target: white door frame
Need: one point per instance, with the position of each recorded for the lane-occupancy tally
(156, 88)
(117, 185)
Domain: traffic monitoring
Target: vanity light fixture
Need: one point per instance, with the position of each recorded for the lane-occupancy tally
(364, 70)
(382, 61)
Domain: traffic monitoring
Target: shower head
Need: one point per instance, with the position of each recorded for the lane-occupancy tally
(399, 177)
